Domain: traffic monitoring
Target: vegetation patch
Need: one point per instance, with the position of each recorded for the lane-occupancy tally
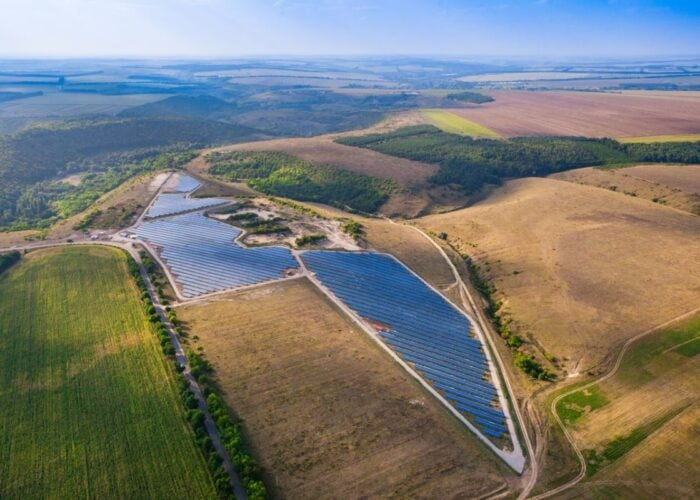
(572, 407)
(280, 174)
(353, 228)
(473, 163)
(309, 239)
(472, 97)
(522, 360)
(689, 349)
(619, 446)
(7, 260)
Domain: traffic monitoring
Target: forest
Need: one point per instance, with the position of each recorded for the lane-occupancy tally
(284, 175)
(473, 163)
(104, 152)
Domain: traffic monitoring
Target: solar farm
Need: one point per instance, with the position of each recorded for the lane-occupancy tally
(204, 258)
(421, 329)
(174, 203)
(428, 333)
(182, 184)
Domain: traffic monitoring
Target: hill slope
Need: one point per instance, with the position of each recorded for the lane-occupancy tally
(579, 269)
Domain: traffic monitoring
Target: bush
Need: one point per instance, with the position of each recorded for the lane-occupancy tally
(9, 259)
(309, 239)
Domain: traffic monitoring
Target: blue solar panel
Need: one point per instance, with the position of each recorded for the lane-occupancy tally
(173, 203)
(184, 184)
(419, 325)
(202, 255)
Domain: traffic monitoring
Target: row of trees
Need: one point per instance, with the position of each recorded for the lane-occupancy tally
(230, 432)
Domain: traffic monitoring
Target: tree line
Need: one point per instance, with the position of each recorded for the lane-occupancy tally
(472, 163)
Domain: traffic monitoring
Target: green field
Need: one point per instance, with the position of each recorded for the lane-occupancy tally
(455, 124)
(89, 404)
(660, 138)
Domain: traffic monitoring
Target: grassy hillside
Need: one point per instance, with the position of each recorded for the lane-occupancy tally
(576, 270)
(473, 163)
(89, 405)
(284, 175)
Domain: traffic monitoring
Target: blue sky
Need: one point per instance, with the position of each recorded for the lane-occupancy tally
(221, 28)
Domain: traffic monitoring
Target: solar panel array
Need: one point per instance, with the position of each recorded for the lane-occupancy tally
(184, 184)
(418, 324)
(202, 255)
(174, 203)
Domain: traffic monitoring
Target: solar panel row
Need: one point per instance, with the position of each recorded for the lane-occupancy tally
(417, 323)
(202, 255)
(173, 203)
(184, 183)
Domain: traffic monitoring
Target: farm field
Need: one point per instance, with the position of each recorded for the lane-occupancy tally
(453, 123)
(637, 427)
(676, 186)
(579, 269)
(661, 138)
(63, 105)
(592, 114)
(327, 412)
(90, 407)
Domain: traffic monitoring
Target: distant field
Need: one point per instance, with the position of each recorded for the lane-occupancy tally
(89, 405)
(455, 124)
(579, 269)
(661, 138)
(592, 114)
(64, 105)
(636, 440)
(525, 76)
(676, 186)
(328, 413)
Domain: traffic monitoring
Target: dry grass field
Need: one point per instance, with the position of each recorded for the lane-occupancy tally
(579, 269)
(590, 114)
(329, 415)
(676, 186)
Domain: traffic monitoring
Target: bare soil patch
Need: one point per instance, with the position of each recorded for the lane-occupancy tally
(579, 269)
(592, 114)
(329, 415)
